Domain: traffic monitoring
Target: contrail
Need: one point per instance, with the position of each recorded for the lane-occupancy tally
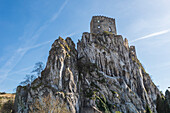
(69, 35)
(35, 46)
(12, 62)
(41, 44)
(151, 35)
(60, 10)
(22, 51)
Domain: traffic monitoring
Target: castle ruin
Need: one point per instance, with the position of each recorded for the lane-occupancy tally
(99, 24)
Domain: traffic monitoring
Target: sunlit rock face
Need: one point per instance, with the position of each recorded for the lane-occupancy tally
(59, 80)
(114, 74)
(102, 75)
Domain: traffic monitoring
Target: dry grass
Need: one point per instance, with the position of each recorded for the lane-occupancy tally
(6, 102)
(7, 95)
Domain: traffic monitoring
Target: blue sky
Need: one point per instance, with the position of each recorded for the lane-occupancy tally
(29, 27)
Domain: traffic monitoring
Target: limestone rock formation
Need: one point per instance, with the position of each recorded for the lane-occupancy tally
(59, 80)
(103, 75)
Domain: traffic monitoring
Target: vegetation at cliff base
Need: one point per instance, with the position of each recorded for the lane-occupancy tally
(162, 105)
(6, 102)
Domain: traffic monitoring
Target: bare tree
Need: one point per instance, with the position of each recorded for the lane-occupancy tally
(28, 79)
(38, 68)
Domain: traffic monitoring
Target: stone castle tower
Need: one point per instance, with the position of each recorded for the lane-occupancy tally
(99, 24)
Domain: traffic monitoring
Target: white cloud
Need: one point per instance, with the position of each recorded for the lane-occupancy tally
(151, 35)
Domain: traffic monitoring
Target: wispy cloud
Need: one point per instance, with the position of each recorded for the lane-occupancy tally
(33, 47)
(162, 66)
(24, 50)
(59, 11)
(42, 44)
(10, 64)
(18, 55)
(69, 35)
(22, 70)
(151, 35)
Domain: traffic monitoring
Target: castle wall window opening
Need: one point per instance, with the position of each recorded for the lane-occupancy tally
(110, 29)
(98, 27)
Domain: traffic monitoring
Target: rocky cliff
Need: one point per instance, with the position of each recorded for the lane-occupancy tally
(103, 75)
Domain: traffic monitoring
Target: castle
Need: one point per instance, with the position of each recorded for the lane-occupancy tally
(102, 75)
(99, 24)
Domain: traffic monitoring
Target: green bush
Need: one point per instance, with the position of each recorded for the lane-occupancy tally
(148, 110)
(118, 112)
(107, 32)
(162, 105)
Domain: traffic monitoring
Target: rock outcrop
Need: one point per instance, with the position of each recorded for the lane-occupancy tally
(102, 75)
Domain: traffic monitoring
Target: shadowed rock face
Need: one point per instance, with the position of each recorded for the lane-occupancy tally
(167, 96)
(102, 75)
(115, 75)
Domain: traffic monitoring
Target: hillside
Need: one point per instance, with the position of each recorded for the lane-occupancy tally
(6, 102)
